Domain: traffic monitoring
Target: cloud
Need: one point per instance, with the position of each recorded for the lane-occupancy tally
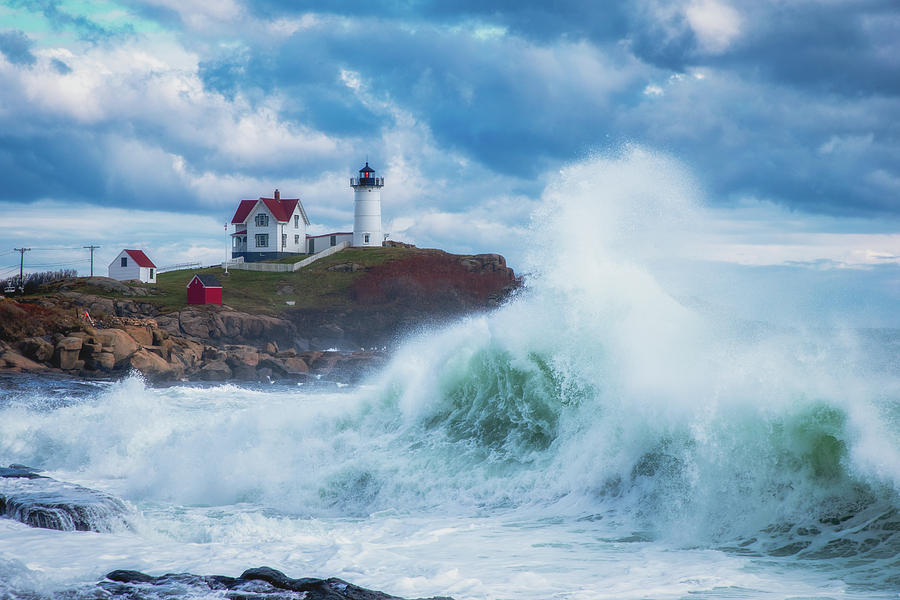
(16, 47)
(715, 24)
(189, 107)
(60, 19)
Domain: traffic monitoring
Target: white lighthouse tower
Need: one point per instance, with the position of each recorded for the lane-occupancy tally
(367, 208)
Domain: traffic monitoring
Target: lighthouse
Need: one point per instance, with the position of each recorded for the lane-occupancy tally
(367, 208)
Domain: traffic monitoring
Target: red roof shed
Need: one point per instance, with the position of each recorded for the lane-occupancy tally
(204, 289)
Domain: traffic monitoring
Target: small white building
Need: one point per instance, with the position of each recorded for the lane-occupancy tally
(317, 243)
(269, 228)
(367, 208)
(133, 264)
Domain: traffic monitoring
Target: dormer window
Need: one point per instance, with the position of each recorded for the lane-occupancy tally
(262, 220)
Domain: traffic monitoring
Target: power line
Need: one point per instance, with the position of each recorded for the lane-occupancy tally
(92, 257)
(21, 252)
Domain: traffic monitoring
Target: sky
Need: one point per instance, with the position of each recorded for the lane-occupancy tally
(142, 123)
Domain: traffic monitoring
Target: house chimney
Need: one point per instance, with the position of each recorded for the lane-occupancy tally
(277, 195)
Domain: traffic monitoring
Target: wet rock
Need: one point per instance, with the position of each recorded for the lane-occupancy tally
(215, 371)
(154, 366)
(247, 356)
(261, 583)
(295, 366)
(244, 373)
(39, 501)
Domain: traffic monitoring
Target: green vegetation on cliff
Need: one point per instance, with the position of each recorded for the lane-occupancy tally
(314, 286)
(351, 278)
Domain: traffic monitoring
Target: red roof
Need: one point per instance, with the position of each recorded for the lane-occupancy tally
(281, 209)
(243, 210)
(241, 232)
(140, 258)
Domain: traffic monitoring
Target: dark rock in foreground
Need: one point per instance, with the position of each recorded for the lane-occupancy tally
(262, 583)
(43, 502)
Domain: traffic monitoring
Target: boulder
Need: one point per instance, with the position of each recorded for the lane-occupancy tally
(347, 267)
(194, 324)
(142, 335)
(260, 582)
(67, 352)
(216, 370)
(294, 365)
(242, 355)
(118, 342)
(244, 373)
(37, 349)
(274, 365)
(105, 361)
(325, 362)
(159, 335)
(153, 365)
(272, 348)
(17, 361)
(89, 349)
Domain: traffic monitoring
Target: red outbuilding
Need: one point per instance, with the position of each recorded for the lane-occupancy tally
(204, 289)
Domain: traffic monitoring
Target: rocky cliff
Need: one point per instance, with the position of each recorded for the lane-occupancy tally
(342, 339)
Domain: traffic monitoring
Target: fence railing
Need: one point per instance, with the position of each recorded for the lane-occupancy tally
(166, 269)
(326, 252)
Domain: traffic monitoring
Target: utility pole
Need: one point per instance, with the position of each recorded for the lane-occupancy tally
(92, 257)
(21, 252)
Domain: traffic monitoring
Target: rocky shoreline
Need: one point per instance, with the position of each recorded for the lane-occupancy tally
(141, 345)
(97, 327)
(39, 501)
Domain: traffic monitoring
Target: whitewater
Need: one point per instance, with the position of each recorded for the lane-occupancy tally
(607, 433)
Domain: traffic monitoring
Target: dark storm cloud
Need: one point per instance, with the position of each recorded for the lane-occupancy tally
(798, 106)
(54, 164)
(840, 47)
(502, 101)
(16, 46)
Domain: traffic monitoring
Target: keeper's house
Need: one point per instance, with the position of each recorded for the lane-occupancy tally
(269, 228)
(133, 264)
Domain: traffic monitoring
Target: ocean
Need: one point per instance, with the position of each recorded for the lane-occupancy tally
(598, 436)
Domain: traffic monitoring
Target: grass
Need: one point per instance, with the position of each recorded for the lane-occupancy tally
(313, 286)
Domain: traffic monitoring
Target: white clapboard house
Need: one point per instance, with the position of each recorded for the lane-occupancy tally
(133, 264)
(268, 228)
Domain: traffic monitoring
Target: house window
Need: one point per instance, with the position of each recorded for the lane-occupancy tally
(296, 240)
(296, 221)
(283, 240)
(124, 262)
(334, 240)
(262, 220)
(151, 273)
(262, 240)
(366, 239)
